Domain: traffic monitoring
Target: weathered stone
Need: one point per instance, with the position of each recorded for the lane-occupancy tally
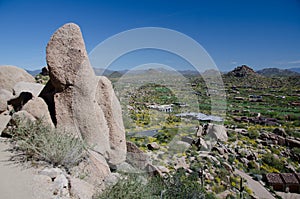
(136, 157)
(163, 169)
(217, 132)
(10, 75)
(23, 117)
(187, 139)
(39, 109)
(5, 96)
(20, 101)
(124, 167)
(112, 179)
(181, 146)
(227, 167)
(4, 120)
(51, 172)
(280, 131)
(153, 170)
(61, 182)
(81, 189)
(111, 107)
(96, 169)
(181, 163)
(199, 132)
(29, 87)
(79, 102)
(153, 146)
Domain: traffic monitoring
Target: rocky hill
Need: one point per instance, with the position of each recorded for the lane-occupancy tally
(243, 71)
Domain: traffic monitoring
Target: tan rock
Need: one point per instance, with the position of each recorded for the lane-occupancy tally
(38, 108)
(4, 120)
(5, 96)
(10, 75)
(96, 169)
(136, 156)
(111, 107)
(23, 117)
(79, 102)
(33, 88)
(81, 189)
(217, 131)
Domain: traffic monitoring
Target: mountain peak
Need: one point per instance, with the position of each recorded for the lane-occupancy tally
(242, 71)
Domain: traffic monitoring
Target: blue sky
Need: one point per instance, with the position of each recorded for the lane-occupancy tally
(259, 33)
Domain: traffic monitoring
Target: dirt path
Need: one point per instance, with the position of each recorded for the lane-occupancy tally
(15, 182)
(260, 191)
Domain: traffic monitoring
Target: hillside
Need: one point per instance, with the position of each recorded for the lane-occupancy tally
(276, 72)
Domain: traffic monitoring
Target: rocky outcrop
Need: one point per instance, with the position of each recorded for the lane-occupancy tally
(10, 75)
(80, 102)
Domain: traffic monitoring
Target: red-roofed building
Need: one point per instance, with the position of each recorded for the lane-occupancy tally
(287, 182)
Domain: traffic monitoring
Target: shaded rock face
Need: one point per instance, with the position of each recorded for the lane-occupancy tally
(10, 75)
(80, 102)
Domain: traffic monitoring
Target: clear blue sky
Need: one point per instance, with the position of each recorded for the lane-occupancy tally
(259, 33)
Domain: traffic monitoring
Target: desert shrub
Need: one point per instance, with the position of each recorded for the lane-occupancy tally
(131, 187)
(271, 161)
(39, 142)
(175, 186)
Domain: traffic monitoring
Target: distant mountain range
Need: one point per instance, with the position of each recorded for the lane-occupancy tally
(295, 69)
(239, 71)
(276, 72)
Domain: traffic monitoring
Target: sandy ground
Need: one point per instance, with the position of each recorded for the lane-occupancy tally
(15, 181)
(288, 195)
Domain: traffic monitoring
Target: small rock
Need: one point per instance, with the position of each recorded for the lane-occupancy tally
(163, 169)
(280, 131)
(38, 108)
(23, 117)
(136, 156)
(181, 163)
(227, 167)
(199, 132)
(81, 189)
(153, 146)
(51, 172)
(217, 131)
(112, 179)
(125, 167)
(61, 182)
(187, 139)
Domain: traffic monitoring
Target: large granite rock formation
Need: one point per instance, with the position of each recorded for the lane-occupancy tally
(80, 102)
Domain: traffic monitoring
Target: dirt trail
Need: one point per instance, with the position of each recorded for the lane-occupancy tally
(260, 191)
(16, 182)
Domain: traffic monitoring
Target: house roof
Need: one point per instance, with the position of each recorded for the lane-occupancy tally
(274, 178)
(289, 178)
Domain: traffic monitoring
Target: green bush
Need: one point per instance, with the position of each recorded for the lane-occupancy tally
(176, 186)
(39, 142)
(270, 160)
